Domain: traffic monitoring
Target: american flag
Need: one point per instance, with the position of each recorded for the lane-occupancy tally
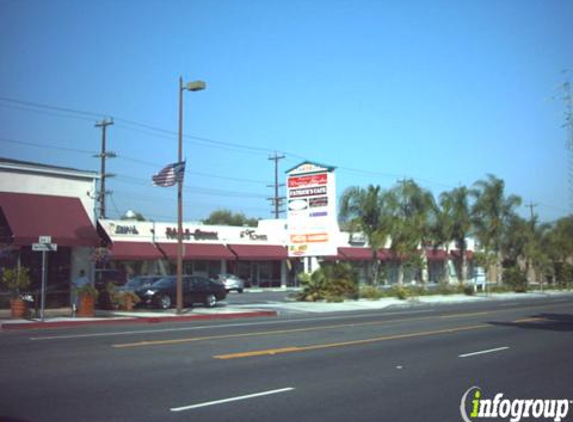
(170, 175)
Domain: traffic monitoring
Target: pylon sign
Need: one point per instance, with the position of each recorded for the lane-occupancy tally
(311, 210)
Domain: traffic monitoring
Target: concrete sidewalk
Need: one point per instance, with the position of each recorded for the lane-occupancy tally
(62, 317)
(367, 304)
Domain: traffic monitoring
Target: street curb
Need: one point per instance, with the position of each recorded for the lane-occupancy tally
(131, 320)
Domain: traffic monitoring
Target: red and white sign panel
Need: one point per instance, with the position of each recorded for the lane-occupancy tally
(311, 214)
(311, 180)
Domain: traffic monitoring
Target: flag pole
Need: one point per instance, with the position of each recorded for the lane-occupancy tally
(179, 294)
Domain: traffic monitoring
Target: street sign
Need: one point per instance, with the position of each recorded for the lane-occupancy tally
(44, 247)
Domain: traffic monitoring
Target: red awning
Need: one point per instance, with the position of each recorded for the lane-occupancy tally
(137, 251)
(436, 255)
(260, 252)
(456, 254)
(355, 254)
(198, 251)
(64, 219)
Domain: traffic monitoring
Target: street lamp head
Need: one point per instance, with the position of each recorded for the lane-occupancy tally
(195, 86)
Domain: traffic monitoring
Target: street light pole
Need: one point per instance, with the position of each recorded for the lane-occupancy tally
(179, 295)
(191, 86)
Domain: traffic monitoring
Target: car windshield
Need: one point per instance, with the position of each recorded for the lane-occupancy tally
(164, 282)
(136, 282)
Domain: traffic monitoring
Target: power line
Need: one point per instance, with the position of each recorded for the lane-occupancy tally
(36, 145)
(70, 112)
(211, 142)
(127, 158)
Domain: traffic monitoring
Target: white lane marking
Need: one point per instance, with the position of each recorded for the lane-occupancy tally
(483, 352)
(206, 327)
(213, 403)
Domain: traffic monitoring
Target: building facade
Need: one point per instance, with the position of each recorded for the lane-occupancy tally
(43, 200)
(256, 254)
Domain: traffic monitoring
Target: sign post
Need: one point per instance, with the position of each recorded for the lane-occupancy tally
(44, 245)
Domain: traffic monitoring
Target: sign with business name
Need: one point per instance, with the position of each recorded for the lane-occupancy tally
(311, 210)
(171, 233)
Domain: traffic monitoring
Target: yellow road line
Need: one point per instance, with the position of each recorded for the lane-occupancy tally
(534, 319)
(267, 352)
(287, 331)
(149, 343)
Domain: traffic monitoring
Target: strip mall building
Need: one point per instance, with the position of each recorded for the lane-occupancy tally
(40, 200)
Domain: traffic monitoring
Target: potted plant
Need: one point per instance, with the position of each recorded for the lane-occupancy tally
(88, 295)
(107, 298)
(15, 280)
(127, 300)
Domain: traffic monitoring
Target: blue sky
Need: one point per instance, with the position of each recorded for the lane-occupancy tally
(440, 91)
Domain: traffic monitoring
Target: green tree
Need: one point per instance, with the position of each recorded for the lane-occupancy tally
(414, 213)
(491, 213)
(228, 218)
(455, 222)
(365, 210)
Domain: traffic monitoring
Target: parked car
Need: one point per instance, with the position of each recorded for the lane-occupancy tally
(139, 282)
(231, 282)
(162, 293)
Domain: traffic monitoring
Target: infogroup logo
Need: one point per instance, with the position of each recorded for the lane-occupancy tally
(512, 409)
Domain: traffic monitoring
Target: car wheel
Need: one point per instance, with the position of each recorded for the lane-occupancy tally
(165, 302)
(240, 290)
(210, 300)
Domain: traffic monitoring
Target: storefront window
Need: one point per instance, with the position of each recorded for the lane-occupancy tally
(58, 274)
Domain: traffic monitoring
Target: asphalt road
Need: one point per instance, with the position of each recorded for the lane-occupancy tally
(396, 365)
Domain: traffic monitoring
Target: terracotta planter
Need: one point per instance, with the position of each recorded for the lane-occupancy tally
(87, 306)
(128, 304)
(18, 308)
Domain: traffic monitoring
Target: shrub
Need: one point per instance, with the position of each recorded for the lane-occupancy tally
(564, 274)
(516, 279)
(496, 288)
(469, 290)
(371, 292)
(126, 299)
(332, 282)
(16, 280)
(312, 287)
(398, 291)
(446, 289)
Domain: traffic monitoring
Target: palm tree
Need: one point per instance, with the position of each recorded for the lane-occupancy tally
(492, 211)
(414, 213)
(365, 211)
(456, 221)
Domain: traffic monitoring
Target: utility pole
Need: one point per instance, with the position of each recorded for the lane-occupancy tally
(531, 205)
(569, 125)
(277, 201)
(103, 155)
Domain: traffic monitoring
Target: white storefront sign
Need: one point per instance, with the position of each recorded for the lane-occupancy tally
(311, 215)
